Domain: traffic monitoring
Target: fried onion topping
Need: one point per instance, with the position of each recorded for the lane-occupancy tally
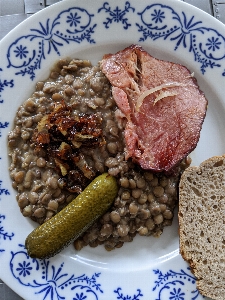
(62, 134)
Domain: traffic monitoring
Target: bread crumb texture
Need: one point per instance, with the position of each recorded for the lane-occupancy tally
(202, 224)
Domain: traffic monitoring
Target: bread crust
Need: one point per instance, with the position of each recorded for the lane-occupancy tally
(201, 217)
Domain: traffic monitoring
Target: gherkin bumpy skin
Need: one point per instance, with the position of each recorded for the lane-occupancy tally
(52, 236)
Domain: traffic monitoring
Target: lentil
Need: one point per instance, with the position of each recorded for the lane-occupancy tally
(19, 176)
(115, 217)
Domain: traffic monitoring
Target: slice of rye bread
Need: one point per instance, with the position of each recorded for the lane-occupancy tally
(202, 224)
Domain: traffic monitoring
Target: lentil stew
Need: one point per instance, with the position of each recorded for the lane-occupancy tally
(145, 201)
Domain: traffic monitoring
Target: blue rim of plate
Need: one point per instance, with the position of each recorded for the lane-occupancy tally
(27, 53)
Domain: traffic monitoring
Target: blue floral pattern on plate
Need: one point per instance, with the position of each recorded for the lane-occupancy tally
(3, 191)
(175, 283)
(4, 234)
(54, 282)
(3, 84)
(147, 23)
(3, 125)
(117, 14)
(184, 32)
(120, 295)
(27, 52)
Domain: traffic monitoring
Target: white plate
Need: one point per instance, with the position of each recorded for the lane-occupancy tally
(147, 268)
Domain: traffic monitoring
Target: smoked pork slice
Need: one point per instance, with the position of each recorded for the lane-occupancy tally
(162, 104)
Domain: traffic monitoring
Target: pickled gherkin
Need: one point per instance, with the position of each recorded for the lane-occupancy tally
(67, 225)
